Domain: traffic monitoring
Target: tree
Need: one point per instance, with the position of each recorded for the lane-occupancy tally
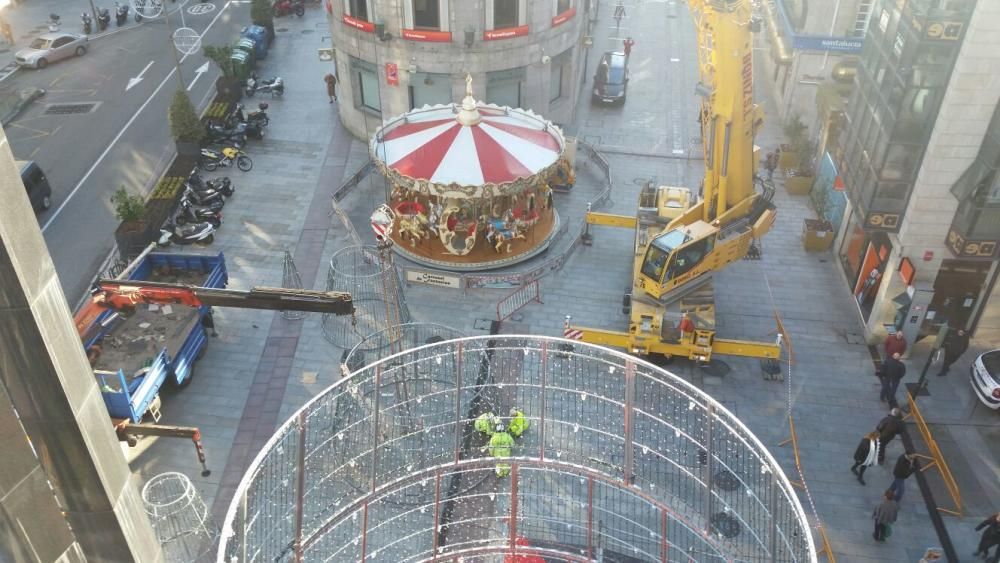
(184, 123)
(262, 14)
(128, 207)
(222, 56)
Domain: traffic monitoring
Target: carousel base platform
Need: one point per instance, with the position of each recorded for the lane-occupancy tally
(430, 252)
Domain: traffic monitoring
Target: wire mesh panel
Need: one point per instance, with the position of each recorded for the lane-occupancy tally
(291, 279)
(179, 517)
(374, 285)
(621, 461)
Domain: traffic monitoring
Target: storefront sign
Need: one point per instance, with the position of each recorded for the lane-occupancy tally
(423, 35)
(943, 30)
(433, 278)
(964, 248)
(882, 221)
(505, 33)
(906, 271)
(563, 17)
(826, 43)
(391, 74)
(367, 27)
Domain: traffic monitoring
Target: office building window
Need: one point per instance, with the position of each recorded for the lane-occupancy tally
(563, 5)
(366, 85)
(428, 89)
(864, 14)
(503, 88)
(426, 14)
(357, 9)
(505, 13)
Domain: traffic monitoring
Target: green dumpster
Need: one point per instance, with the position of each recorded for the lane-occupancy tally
(241, 64)
(246, 45)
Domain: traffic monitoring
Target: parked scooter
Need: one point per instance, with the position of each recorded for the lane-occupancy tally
(212, 159)
(87, 27)
(209, 198)
(188, 212)
(276, 86)
(53, 22)
(257, 116)
(222, 184)
(103, 19)
(121, 13)
(235, 136)
(200, 233)
(285, 7)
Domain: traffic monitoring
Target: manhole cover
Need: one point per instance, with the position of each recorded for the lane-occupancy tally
(725, 525)
(281, 30)
(308, 31)
(67, 109)
(726, 481)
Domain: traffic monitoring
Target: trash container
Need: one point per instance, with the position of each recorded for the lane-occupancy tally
(241, 64)
(258, 35)
(247, 46)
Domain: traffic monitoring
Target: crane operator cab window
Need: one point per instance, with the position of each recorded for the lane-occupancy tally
(674, 254)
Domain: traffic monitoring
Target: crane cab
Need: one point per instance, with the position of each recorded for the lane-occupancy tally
(676, 256)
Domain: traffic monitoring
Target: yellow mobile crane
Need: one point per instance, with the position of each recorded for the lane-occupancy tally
(677, 246)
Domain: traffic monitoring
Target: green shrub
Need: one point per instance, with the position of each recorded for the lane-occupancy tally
(184, 123)
(128, 207)
(167, 188)
(222, 56)
(262, 13)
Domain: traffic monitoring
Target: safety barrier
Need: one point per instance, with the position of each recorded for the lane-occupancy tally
(936, 459)
(793, 439)
(517, 300)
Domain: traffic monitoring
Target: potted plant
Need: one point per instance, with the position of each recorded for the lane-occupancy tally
(134, 231)
(262, 14)
(799, 178)
(795, 133)
(185, 126)
(228, 86)
(817, 234)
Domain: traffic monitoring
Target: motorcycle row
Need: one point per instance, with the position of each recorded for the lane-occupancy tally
(224, 141)
(199, 212)
(104, 17)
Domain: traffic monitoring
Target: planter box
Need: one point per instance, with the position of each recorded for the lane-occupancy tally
(789, 159)
(187, 150)
(229, 89)
(799, 185)
(133, 236)
(817, 235)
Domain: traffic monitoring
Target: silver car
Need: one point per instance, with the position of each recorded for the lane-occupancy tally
(52, 47)
(985, 376)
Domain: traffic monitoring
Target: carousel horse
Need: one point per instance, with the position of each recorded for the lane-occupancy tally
(412, 227)
(563, 178)
(499, 232)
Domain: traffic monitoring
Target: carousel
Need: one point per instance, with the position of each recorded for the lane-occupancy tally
(471, 183)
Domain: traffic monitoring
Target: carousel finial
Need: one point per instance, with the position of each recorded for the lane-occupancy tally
(469, 114)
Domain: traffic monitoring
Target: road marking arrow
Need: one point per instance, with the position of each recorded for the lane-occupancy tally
(197, 74)
(133, 81)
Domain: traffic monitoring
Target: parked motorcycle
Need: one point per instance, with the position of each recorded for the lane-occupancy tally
(211, 198)
(188, 212)
(257, 116)
(103, 19)
(235, 136)
(276, 86)
(121, 14)
(87, 27)
(222, 184)
(285, 7)
(212, 159)
(53, 22)
(200, 233)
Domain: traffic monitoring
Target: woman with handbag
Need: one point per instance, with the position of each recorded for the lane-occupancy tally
(866, 455)
(884, 516)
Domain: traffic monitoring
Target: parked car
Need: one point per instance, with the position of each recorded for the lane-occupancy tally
(985, 376)
(36, 184)
(52, 47)
(611, 79)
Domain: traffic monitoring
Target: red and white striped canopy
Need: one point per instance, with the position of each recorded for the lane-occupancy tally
(500, 146)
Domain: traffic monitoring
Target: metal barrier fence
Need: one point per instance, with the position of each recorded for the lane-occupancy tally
(517, 300)
(937, 459)
(621, 459)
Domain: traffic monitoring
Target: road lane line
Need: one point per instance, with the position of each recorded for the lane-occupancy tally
(114, 141)
(133, 81)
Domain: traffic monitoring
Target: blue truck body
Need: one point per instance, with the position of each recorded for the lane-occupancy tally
(138, 354)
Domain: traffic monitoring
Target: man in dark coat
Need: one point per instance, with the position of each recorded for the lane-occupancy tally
(893, 372)
(991, 537)
(955, 344)
(905, 466)
(888, 428)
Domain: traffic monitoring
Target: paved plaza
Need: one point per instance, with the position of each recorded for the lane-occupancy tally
(261, 367)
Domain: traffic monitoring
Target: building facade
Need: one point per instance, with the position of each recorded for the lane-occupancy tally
(395, 55)
(917, 160)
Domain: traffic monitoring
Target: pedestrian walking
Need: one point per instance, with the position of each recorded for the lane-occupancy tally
(769, 165)
(888, 428)
(5, 29)
(884, 515)
(895, 343)
(990, 538)
(865, 455)
(893, 371)
(629, 43)
(331, 86)
(955, 344)
(905, 466)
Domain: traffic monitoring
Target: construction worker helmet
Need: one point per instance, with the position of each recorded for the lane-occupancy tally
(500, 427)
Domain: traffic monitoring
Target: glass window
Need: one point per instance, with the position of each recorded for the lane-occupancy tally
(426, 14)
(559, 74)
(562, 6)
(689, 256)
(503, 87)
(369, 90)
(358, 9)
(427, 89)
(659, 251)
(505, 13)
(900, 162)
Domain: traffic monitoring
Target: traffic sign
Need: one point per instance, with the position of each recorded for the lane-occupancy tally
(201, 8)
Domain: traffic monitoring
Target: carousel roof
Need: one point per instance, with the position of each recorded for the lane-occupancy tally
(468, 144)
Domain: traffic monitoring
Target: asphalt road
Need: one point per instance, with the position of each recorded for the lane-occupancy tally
(122, 140)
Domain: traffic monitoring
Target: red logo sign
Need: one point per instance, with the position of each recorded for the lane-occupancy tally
(838, 184)
(505, 33)
(563, 17)
(367, 27)
(391, 74)
(422, 35)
